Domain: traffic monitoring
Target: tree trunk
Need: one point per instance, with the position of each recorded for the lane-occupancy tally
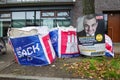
(88, 7)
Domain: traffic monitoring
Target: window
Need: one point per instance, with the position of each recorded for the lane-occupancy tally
(41, 18)
(18, 19)
(5, 15)
(47, 14)
(63, 14)
(106, 22)
(63, 18)
(30, 18)
(54, 18)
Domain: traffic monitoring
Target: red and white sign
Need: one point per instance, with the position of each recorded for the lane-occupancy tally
(64, 42)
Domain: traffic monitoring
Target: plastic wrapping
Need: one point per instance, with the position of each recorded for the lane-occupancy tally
(35, 50)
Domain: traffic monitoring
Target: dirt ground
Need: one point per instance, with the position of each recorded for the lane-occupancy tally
(55, 69)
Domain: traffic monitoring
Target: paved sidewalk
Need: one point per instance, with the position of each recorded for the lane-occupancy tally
(6, 59)
(116, 48)
(14, 77)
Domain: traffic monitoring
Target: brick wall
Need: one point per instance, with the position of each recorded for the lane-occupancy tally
(106, 5)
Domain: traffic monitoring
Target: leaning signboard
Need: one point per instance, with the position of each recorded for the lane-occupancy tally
(90, 35)
(64, 42)
(32, 46)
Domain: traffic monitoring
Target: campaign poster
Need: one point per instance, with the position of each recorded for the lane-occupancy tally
(64, 41)
(90, 35)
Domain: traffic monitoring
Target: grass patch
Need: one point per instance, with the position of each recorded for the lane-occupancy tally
(115, 64)
(95, 68)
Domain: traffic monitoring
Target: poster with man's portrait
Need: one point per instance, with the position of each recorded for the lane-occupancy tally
(90, 34)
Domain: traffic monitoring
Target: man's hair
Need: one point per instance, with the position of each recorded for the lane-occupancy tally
(90, 16)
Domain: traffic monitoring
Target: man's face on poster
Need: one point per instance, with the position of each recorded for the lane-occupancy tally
(90, 26)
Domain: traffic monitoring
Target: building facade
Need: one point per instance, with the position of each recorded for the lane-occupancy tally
(22, 13)
(111, 11)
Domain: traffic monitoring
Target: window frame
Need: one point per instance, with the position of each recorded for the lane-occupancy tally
(4, 17)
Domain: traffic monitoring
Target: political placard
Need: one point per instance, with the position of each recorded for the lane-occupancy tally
(90, 35)
(64, 41)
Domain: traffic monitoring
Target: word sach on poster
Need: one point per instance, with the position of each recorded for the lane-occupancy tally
(90, 35)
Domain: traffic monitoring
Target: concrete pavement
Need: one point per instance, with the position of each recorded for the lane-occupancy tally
(14, 77)
(6, 59)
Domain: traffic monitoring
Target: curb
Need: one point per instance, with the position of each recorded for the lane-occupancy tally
(9, 76)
